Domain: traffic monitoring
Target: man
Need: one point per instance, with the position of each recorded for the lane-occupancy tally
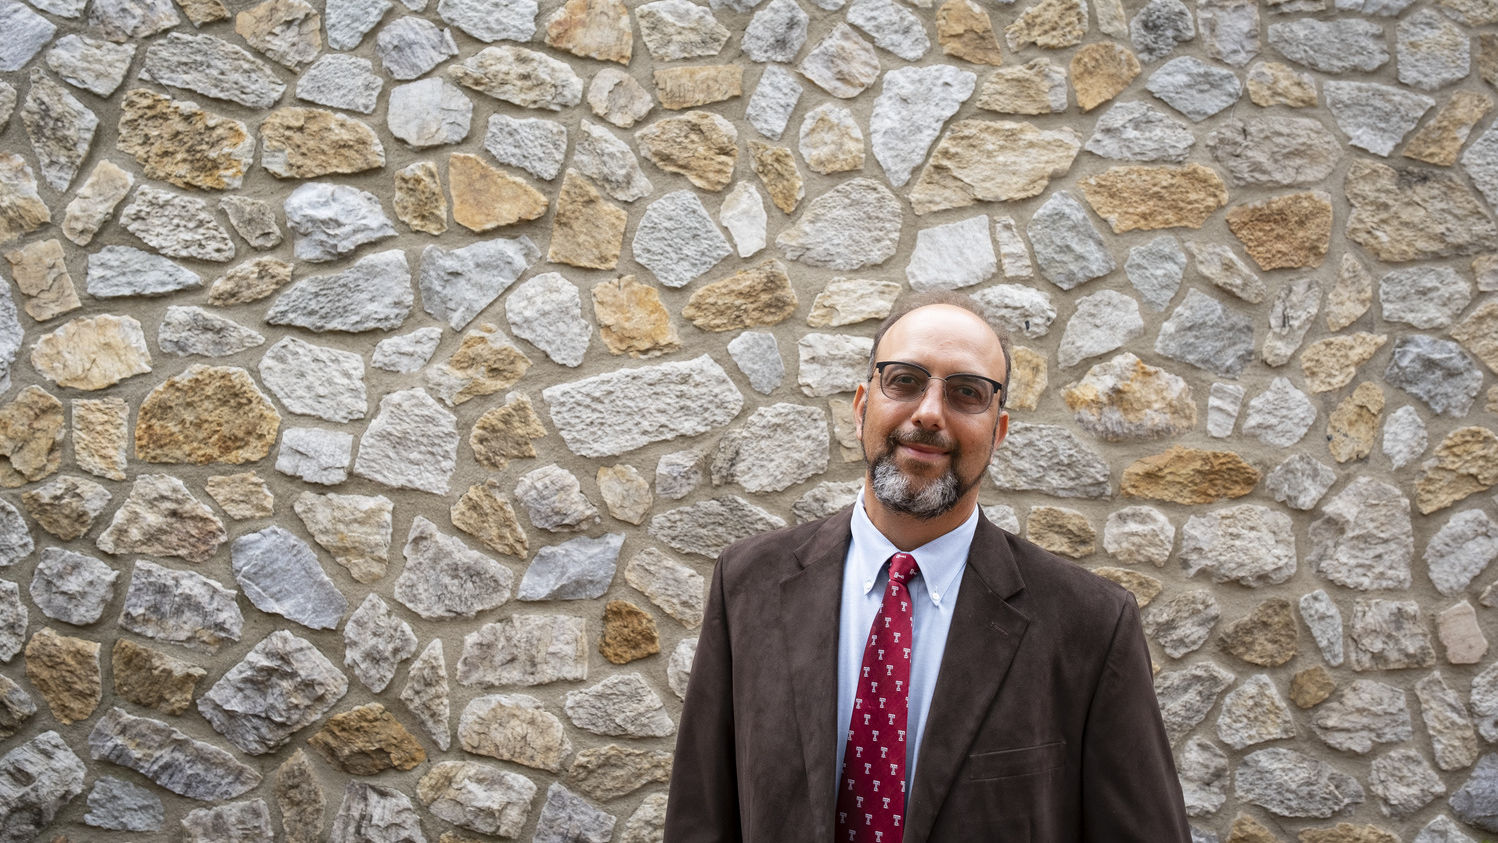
(906, 671)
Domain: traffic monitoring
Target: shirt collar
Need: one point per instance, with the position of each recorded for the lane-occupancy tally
(941, 559)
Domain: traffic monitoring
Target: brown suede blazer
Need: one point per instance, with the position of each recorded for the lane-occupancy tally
(1043, 725)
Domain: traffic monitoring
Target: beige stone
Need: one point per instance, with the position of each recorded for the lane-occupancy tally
(1440, 141)
(776, 168)
(1142, 197)
(1465, 463)
(1353, 427)
(241, 496)
(1311, 687)
(42, 277)
(485, 513)
(593, 29)
(1144, 587)
(176, 141)
(203, 11)
(629, 633)
(101, 430)
(252, 280)
(514, 728)
(1408, 215)
(1487, 57)
(21, 208)
(67, 506)
(95, 202)
(1332, 363)
(304, 143)
(93, 353)
(625, 492)
(65, 671)
(1246, 829)
(699, 145)
(300, 799)
(31, 429)
(965, 31)
(587, 229)
(1461, 635)
(616, 97)
(206, 414)
(1037, 87)
(1351, 294)
(485, 362)
(848, 301)
(1479, 333)
(160, 517)
(288, 31)
(1348, 833)
(355, 529)
(419, 202)
(152, 678)
(1027, 379)
(632, 320)
(1062, 531)
(612, 771)
(1100, 72)
(992, 161)
(506, 433)
(1051, 24)
(748, 298)
(1132, 400)
(366, 740)
(677, 88)
(486, 197)
(1492, 402)
(841, 410)
(1286, 231)
(830, 144)
(1267, 636)
(1271, 83)
(1190, 476)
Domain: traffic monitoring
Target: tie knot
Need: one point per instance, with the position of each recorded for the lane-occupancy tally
(902, 567)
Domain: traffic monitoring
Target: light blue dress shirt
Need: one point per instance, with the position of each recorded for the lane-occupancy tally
(934, 595)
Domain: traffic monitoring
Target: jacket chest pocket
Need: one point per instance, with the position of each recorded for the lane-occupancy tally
(1023, 761)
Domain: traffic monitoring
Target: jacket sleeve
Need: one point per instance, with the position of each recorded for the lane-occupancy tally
(1130, 788)
(704, 795)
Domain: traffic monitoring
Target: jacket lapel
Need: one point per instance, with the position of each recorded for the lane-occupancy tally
(985, 635)
(810, 599)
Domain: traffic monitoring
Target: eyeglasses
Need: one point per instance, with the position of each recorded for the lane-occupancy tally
(907, 382)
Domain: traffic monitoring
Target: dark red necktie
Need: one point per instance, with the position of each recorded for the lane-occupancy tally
(871, 790)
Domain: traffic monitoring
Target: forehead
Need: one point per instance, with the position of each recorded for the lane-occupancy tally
(943, 338)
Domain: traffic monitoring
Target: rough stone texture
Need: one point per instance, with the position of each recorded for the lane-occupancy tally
(366, 740)
(180, 607)
(1363, 538)
(1195, 88)
(1144, 197)
(514, 728)
(152, 678)
(1292, 784)
(1389, 635)
(1266, 636)
(236, 822)
(700, 145)
(1331, 46)
(707, 527)
(1254, 713)
(578, 569)
(1190, 476)
(300, 799)
(67, 506)
(168, 757)
(41, 777)
(426, 694)
(981, 160)
(1182, 624)
(1186, 695)
(92, 353)
(280, 575)
(1453, 738)
(411, 444)
(1207, 334)
(281, 685)
(65, 672)
(485, 198)
(444, 579)
(115, 805)
(206, 414)
(371, 812)
(1365, 713)
(71, 587)
(478, 797)
(1049, 459)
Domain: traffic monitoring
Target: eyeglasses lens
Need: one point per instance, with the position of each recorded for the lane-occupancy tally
(963, 393)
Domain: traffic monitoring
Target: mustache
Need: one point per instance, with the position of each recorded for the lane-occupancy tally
(922, 436)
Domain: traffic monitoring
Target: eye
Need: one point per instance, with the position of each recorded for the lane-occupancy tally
(904, 379)
(967, 391)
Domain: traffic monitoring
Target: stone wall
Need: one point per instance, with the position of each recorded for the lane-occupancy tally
(381, 379)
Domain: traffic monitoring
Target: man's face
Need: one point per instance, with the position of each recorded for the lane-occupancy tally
(925, 456)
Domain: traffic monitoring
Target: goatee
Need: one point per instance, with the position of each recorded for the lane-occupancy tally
(893, 488)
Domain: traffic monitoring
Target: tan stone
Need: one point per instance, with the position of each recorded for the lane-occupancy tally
(152, 678)
(506, 433)
(31, 430)
(632, 320)
(1348, 833)
(628, 633)
(367, 740)
(1267, 636)
(690, 87)
(699, 145)
(485, 513)
(101, 430)
(203, 11)
(846, 301)
(300, 799)
(95, 202)
(1440, 141)
(1100, 72)
(748, 298)
(625, 491)
(1271, 83)
(594, 29)
(1353, 426)
(1479, 333)
(1286, 231)
(1351, 294)
(841, 410)
(587, 229)
(42, 277)
(1036, 87)
(485, 362)
(1142, 197)
(1465, 463)
(514, 728)
(1310, 687)
(1332, 363)
(288, 31)
(67, 506)
(21, 207)
(829, 144)
(1051, 24)
(1190, 476)
(1461, 635)
(206, 414)
(612, 771)
(1246, 829)
(355, 529)
(1417, 214)
(992, 161)
(965, 31)
(304, 143)
(16, 707)
(1065, 532)
(65, 671)
(1144, 587)
(486, 197)
(1492, 403)
(1487, 57)
(1027, 379)
(93, 353)
(244, 495)
(252, 280)
(178, 142)
(160, 517)
(419, 202)
(776, 167)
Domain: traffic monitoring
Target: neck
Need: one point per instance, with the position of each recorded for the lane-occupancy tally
(907, 532)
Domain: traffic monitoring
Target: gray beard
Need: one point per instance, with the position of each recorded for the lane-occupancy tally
(894, 489)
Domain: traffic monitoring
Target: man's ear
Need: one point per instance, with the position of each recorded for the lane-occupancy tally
(860, 404)
(1000, 428)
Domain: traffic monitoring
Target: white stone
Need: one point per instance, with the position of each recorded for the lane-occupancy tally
(1195, 88)
(429, 112)
(1158, 27)
(1290, 316)
(743, 214)
(1280, 415)
(1322, 617)
(1461, 550)
(951, 256)
(1223, 403)
(443, 578)
(331, 220)
(1049, 459)
(89, 63)
(773, 100)
(604, 158)
(426, 694)
(457, 284)
(1217, 263)
(1203, 769)
(1018, 308)
(1014, 255)
(315, 455)
(1424, 296)
(679, 29)
(339, 80)
(1182, 624)
(1247, 544)
(179, 607)
(1405, 437)
(1300, 481)
(315, 381)
(411, 444)
(676, 239)
(1103, 322)
(279, 574)
(832, 363)
(578, 569)
(348, 21)
(1432, 51)
(776, 447)
(679, 668)
(842, 63)
(1067, 245)
(547, 311)
(188, 330)
(1363, 714)
(553, 498)
(491, 20)
(1253, 713)
(408, 352)
(176, 226)
(623, 704)
(1155, 270)
(892, 27)
(532, 144)
(1230, 28)
(707, 527)
(411, 46)
(374, 293)
(1374, 117)
(72, 587)
(212, 67)
(375, 642)
(1138, 534)
(913, 105)
(26, 34)
(758, 356)
(775, 33)
(1364, 539)
(851, 226)
(1205, 333)
(1293, 784)
(1133, 131)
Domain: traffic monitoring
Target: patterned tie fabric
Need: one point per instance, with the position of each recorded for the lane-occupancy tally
(871, 796)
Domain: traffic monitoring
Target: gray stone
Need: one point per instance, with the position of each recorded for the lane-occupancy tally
(1067, 245)
(623, 704)
(478, 797)
(1322, 617)
(1461, 550)
(429, 112)
(426, 694)
(489, 20)
(777, 447)
(679, 29)
(1279, 151)
(169, 757)
(609, 414)
(526, 650)
(13, 618)
(443, 578)
(1183, 623)
(1155, 270)
(773, 100)
(553, 498)
(1334, 46)
(89, 63)
(677, 241)
(707, 527)
(1158, 27)
(374, 814)
(281, 685)
(679, 668)
(1404, 436)
(375, 642)
(411, 444)
(1452, 736)
(1280, 415)
(348, 21)
(1051, 460)
(831, 363)
(547, 311)
(1133, 131)
(1484, 699)
(605, 159)
(579, 569)
(947, 257)
(1195, 88)
(1206, 334)
(411, 46)
(124, 20)
(1374, 117)
(1436, 371)
(1291, 784)
(115, 805)
(116, 271)
(893, 28)
(677, 474)
(1403, 782)
(1441, 830)
(1253, 713)
(26, 34)
(1248, 544)
(1433, 52)
(1223, 403)
(1138, 534)
(1389, 635)
(40, 777)
(1102, 322)
(842, 63)
(176, 226)
(71, 587)
(315, 381)
(1203, 769)
(1019, 309)
(673, 586)
(60, 127)
(255, 220)
(1363, 714)
(1004, 517)
(758, 356)
(238, 822)
(568, 818)
(339, 80)
(775, 33)
(457, 284)
(212, 67)
(160, 517)
(180, 607)
(532, 144)
(1230, 28)
(1186, 695)
(647, 823)
(1424, 296)
(315, 455)
(1481, 163)
(187, 330)
(16, 707)
(1290, 316)
(407, 353)
(1364, 539)
(523, 77)
(1300, 481)
(332, 220)
(280, 575)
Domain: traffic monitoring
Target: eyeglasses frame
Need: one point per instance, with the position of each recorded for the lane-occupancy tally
(878, 376)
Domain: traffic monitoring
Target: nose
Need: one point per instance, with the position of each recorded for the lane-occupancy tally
(930, 410)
